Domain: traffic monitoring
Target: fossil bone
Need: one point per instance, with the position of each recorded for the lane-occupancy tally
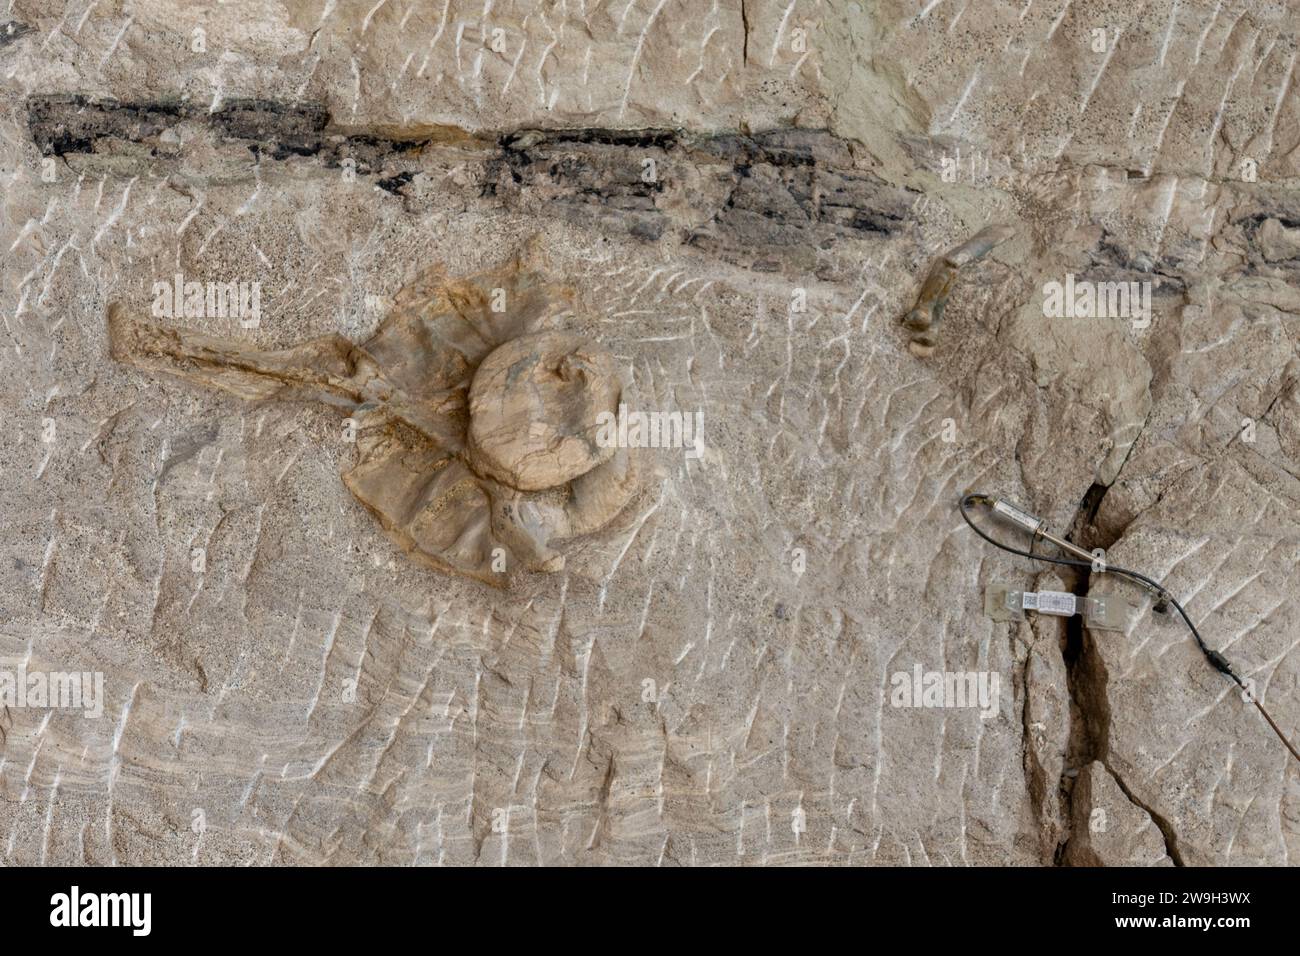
(533, 408)
(925, 316)
(476, 426)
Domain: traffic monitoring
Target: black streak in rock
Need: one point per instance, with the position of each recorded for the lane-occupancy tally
(70, 124)
(787, 188)
(776, 197)
(11, 31)
(74, 124)
(394, 184)
(287, 129)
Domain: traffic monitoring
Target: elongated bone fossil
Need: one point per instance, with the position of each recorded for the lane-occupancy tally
(925, 316)
(476, 428)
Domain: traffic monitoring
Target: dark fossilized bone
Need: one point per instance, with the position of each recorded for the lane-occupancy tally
(476, 426)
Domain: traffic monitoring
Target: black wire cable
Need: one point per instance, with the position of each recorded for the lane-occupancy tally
(1217, 660)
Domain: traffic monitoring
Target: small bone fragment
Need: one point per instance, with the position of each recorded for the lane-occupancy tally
(925, 316)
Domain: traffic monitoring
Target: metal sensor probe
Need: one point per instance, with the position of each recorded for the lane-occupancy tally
(1003, 603)
(1037, 527)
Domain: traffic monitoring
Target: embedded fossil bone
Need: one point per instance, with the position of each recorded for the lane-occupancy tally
(476, 425)
(533, 408)
(925, 316)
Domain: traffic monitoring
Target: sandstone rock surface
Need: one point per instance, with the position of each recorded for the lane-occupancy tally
(738, 202)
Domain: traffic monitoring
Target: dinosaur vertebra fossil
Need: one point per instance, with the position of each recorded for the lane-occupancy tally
(476, 426)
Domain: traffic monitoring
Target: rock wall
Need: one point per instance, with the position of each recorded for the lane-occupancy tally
(740, 201)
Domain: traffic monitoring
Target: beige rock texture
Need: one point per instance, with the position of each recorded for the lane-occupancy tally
(706, 655)
(1108, 828)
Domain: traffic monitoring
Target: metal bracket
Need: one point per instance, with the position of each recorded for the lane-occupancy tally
(1106, 611)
